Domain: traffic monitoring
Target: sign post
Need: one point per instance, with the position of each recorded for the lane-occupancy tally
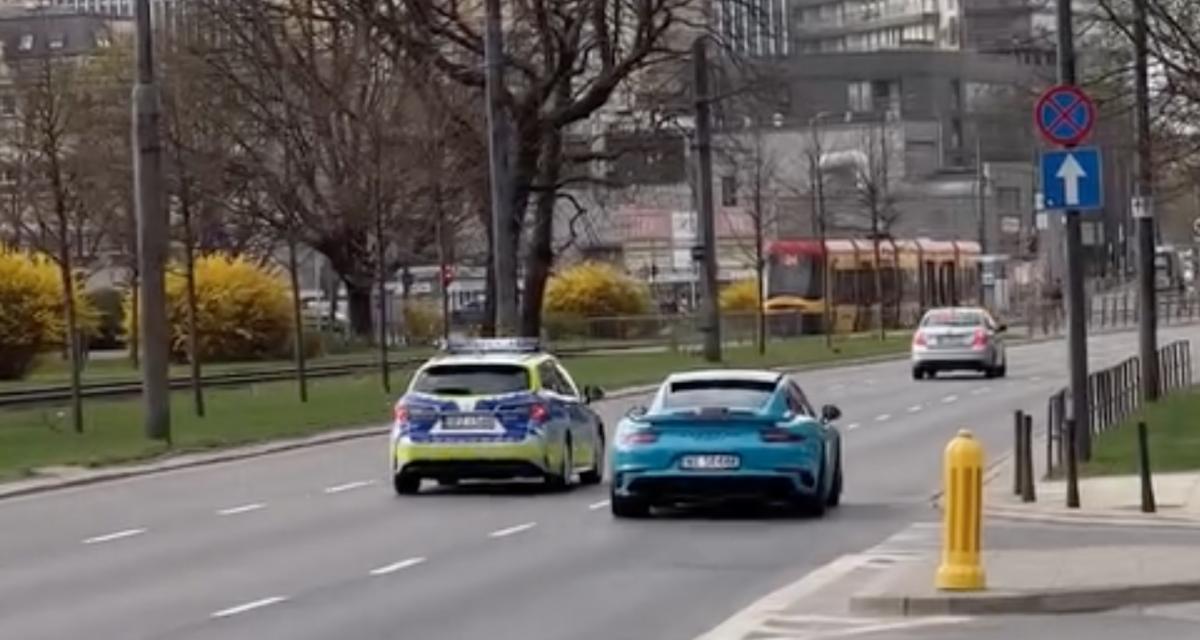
(1072, 181)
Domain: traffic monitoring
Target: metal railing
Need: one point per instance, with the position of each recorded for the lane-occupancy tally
(1114, 395)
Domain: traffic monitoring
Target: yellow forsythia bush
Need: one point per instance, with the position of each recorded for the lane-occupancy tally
(595, 289)
(31, 310)
(243, 310)
(740, 297)
(422, 321)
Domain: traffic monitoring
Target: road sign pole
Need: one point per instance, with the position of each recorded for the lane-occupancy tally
(1077, 323)
(1148, 325)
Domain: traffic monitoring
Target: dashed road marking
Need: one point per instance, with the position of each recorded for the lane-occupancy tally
(598, 505)
(397, 566)
(116, 535)
(883, 417)
(950, 399)
(245, 508)
(249, 606)
(503, 533)
(852, 426)
(915, 408)
(349, 486)
(980, 391)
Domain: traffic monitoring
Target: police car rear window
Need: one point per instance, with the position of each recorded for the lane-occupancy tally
(472, 379)
(697, 394)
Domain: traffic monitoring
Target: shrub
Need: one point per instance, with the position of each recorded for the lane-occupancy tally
(31, 310)
(595, 289)
(740, 297)
(243, 311)
(422, 322)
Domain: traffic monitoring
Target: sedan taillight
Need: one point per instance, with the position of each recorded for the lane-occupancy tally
(980, 340)
(919, 339)
(644, 436)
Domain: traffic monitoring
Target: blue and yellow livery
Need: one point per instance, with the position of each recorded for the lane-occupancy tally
(495, 410)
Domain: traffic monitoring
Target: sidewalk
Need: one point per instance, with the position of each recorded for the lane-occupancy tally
(1030, 581)
(1109, 500)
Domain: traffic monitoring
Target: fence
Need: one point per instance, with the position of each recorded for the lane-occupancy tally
(1114, 395)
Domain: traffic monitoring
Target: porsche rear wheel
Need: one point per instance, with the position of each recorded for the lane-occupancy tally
(629, 507)
(835, 490)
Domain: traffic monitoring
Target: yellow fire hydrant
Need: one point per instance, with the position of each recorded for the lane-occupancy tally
(962, 525)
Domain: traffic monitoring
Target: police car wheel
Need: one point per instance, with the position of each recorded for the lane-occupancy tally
(406, 484)
(561, 481)
(596, 474)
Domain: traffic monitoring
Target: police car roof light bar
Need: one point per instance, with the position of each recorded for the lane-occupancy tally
(493, 345)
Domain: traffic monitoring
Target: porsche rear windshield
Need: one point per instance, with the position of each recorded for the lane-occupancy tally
(697, 394)
(472, 379)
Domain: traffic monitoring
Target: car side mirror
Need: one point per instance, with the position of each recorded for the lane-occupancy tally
(637, 411)
(593, 393)
(829, 413)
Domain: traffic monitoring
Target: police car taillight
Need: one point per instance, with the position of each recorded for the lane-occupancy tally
(400, 412)
(538, 413)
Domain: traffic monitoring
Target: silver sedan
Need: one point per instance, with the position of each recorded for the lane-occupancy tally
(959, 339)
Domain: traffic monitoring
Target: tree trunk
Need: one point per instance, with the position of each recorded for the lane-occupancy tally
(189, 257)
(68, 286)
(541, 250)
(358, 304)
(380, 254)
(298, 320)
(878, 277)
(135, 338)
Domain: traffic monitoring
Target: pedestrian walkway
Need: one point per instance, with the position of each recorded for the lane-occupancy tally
(1114, 500)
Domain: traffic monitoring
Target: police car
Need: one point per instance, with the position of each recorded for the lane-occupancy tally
(498, 409)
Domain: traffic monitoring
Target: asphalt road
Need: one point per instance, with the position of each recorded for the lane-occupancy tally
(313, 544)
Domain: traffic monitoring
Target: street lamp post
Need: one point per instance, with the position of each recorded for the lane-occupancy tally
(818, 190)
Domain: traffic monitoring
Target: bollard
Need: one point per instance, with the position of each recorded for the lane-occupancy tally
(1148, 504)
(962, 525)
(1072, 466)
(1018, 447)
(1028, 491)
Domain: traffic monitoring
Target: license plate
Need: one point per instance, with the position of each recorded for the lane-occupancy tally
(710, 462)
(469, 423)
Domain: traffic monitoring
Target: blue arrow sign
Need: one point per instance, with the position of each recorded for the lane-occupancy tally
(1072, 179)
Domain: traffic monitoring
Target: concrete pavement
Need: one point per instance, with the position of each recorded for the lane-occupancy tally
(311, 543)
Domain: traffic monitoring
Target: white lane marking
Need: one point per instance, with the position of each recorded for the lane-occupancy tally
(349, 486)
(249, 606)
(1036, 379)
(852, 426)
(950, 399)
(980, 391)
(883, 417)
(397, 566)
(598, 505)
(246, 508)
(117, 535)
(501, 533)
(915, 408)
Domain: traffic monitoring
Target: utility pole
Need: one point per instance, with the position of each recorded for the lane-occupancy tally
(981, 207)
(504, 258)
(1143, 209)
(1076, 321)
(152, 234)
(818, 188)
(710, 323)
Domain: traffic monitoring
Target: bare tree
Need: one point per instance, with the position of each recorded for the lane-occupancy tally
(54, 98)
(874, 194)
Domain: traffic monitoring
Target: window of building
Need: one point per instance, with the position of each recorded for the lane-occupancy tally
(57, 41)
(859, 98)
(729, 191)
(8, 105)
(26, 43)
(1008, 198)
(102, 40)
(8, 175)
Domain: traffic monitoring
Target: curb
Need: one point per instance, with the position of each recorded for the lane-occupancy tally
(1012, 514)
(192, 459)
(1044, 602)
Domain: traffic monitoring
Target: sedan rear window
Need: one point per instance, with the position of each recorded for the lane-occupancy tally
(953, 319)
(740, 394)
(472, 379)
